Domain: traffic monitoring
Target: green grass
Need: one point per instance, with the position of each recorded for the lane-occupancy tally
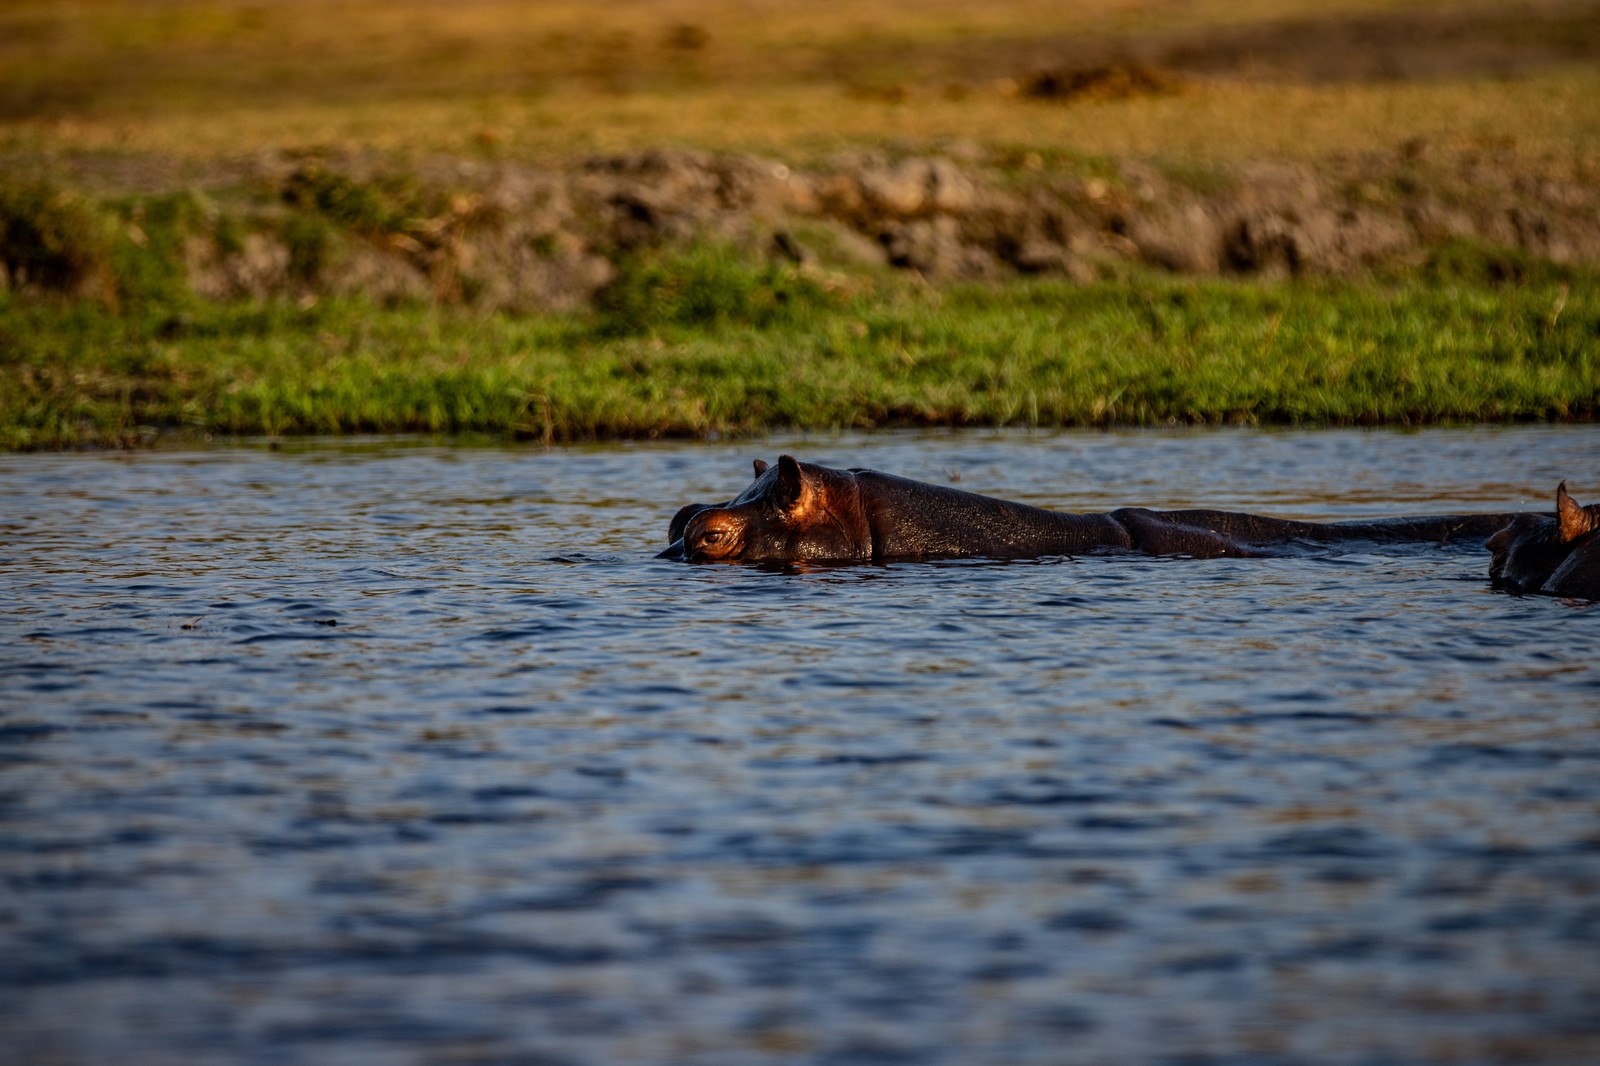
(727, 348)
(125, 130)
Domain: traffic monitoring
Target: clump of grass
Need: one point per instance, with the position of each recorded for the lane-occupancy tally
(52, 239)
(148, 267)
(325, 202)
(371, 208)
(1461, 261)
(309, 240)
(129, 254)
(702, 286)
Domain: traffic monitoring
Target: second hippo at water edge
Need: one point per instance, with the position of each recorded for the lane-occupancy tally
(1557, 556)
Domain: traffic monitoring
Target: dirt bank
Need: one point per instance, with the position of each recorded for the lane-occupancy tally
(512, 236)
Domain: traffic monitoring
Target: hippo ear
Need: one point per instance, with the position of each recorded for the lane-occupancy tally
(790, 479)
(761, 467)
(1572, 521)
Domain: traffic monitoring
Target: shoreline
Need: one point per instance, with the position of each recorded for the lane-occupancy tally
(726, 358)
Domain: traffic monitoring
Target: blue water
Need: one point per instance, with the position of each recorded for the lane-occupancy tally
(383, 751)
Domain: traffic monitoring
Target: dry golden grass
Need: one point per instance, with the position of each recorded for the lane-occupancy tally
(1552, 114)
(479, 45)
(198, 80)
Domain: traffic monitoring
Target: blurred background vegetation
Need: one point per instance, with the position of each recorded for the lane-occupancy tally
(1294, 78)
(194, 196)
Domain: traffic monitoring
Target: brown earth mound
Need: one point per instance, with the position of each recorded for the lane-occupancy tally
(1117, 81)
(518, 237)
(515, 237)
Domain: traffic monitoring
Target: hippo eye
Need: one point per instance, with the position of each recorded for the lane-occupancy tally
(711, 536)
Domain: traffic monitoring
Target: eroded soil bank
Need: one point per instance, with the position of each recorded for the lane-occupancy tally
(502, 235)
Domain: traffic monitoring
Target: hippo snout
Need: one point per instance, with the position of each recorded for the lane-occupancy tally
(702, 533)
(675, 531)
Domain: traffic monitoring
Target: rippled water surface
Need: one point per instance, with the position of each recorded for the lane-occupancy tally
(388, 752)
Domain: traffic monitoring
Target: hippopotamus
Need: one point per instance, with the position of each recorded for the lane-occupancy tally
(800, 512)
(1557, 556)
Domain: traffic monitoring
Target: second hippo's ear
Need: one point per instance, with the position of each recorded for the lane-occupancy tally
(790, 480)
(1572, 521)
(761, 467)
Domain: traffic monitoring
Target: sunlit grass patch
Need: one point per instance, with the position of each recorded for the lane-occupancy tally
(1044, 353)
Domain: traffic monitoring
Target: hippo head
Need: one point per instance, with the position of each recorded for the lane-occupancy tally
(792, 512)
(1532, 548)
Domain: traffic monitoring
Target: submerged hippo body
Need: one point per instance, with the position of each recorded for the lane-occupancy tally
(1557, 556)
(799, 512)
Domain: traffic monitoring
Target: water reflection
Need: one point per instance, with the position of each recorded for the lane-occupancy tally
(402, 752)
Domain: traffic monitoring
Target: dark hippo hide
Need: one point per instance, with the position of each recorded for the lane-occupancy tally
(798, 512)
(1557, 556)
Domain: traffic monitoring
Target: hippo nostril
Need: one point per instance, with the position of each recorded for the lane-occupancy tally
(680, 521)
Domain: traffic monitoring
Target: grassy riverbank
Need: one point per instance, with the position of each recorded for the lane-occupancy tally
(705, 345)
(565, 222)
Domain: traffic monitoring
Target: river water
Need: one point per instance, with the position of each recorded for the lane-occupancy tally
(386, 751)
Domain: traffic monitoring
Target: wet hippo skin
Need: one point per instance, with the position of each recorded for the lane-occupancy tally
(801, 512)
(1557, 556)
